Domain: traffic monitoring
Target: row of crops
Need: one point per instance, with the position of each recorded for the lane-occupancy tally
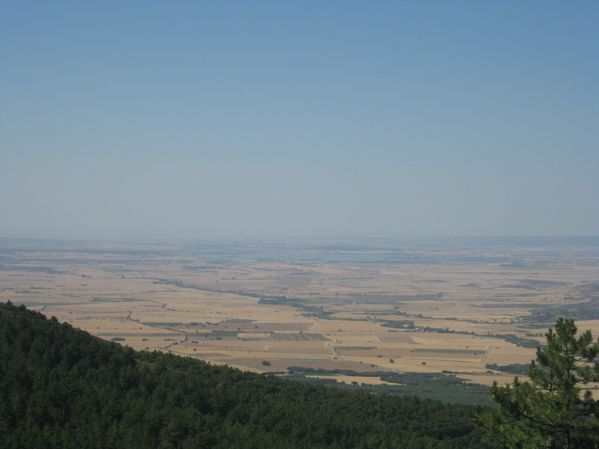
(450, 351)
(349, 348)
(282, 337)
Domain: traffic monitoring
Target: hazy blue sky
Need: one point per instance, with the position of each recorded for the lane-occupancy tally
(202, 119)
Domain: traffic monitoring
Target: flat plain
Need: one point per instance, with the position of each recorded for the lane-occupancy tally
(347, 311)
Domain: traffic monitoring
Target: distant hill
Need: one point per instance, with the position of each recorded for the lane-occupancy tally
(63, 388)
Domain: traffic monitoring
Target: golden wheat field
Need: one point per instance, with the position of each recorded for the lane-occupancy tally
(421, 307)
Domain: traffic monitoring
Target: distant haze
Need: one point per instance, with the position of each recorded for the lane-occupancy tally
(257, 119)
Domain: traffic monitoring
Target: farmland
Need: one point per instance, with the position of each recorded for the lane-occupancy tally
(454, 307)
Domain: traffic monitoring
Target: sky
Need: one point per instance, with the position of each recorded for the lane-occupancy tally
(298, 119)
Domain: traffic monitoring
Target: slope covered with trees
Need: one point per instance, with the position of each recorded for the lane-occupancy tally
(63, 388)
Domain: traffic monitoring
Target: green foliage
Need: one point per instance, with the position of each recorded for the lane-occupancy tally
(553, 410)
(62, 388)
(514, 368)
(445, 387)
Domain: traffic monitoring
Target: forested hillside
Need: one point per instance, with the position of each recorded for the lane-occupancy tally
(62, 388)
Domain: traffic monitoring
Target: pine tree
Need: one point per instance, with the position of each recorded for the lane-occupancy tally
(554, 409)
